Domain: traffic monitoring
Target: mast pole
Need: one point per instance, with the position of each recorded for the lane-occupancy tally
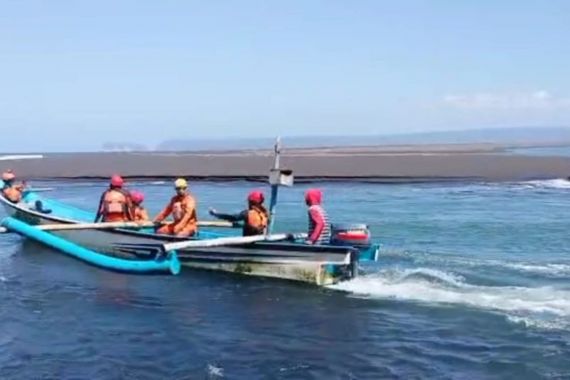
(275, 186)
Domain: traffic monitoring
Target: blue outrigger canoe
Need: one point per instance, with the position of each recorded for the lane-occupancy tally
(143, 249)
(321, 265)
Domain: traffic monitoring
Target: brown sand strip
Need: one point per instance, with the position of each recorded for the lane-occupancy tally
(324, 165)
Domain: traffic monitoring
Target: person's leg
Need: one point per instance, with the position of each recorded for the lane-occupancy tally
(166, 229)
(187, 231)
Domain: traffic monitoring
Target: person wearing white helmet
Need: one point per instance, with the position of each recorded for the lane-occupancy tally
(182, 207)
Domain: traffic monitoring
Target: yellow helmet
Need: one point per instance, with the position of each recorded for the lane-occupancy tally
(180, 183)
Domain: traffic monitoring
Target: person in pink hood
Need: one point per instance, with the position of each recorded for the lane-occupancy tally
(319, 226)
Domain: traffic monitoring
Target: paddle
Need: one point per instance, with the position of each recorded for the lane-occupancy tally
(225, 241)
(38, 189)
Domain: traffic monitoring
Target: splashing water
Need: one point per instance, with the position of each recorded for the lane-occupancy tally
(558, 183)
(547, 307)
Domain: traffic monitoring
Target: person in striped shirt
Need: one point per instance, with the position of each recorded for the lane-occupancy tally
(319, 226)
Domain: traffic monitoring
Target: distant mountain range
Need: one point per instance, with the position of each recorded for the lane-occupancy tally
(526, 135)
(123, 147)
(503, 136)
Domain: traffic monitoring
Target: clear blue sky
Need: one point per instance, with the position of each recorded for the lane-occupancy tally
(74, 74)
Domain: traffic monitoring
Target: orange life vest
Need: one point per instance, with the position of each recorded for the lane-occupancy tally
(183, 210)
(256, 221)
(115, 204)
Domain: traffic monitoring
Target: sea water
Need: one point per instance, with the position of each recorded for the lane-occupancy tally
(472, 283)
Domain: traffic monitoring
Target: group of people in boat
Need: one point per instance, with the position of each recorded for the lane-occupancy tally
(120, 205)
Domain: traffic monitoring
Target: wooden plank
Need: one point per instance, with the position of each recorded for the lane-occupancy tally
(225, 241)
(112, 225)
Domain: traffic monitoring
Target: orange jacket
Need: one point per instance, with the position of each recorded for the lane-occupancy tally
(183, 210)
(114, 206)
(256, 221)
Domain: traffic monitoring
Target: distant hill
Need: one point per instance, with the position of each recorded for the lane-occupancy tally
(504, 136)
(123, 147)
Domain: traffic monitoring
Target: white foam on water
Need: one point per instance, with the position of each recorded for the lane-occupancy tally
(551, 270)
(215, 371)
(548, 324)
(544, 306)
(558, 183)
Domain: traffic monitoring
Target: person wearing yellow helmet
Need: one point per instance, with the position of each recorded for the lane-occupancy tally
(182, 207)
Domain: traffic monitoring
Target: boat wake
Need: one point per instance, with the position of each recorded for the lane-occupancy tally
(544, 307)
(546, 270)
(559, 183)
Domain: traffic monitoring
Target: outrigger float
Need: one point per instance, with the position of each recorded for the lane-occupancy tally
(131, 247)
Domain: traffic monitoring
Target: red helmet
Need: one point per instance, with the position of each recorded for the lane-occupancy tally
(8, 175)
(256, 197)
(137, 197)
(117, 181)
(313, 197)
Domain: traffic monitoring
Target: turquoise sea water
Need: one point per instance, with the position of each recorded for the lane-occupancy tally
(473, 283)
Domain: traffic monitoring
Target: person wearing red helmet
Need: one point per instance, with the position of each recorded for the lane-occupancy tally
(115, 204)
(319, 227)
(138, 211)
(255, 219)
(10, 190)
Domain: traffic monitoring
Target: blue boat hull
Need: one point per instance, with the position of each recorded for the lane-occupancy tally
(169, 264)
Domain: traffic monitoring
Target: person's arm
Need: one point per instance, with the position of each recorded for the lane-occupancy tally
(239, 217)
(164, 213)
(144, 215)
(319, 226)
(100, 208)
(129, 207)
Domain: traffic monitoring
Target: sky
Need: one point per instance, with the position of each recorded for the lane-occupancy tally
(76, 74)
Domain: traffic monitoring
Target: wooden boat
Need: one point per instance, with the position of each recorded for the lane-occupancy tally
(321, 265)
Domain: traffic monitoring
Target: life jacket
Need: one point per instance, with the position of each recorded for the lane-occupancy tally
(182, 206)
(325, 236)
(256, 221)
(115, 203)
(139, 214)
(12, 193)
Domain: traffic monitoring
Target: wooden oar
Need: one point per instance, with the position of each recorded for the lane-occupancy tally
(38, 189)
(234, 240)
(111, 225)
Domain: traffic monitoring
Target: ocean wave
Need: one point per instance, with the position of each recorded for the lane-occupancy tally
(549, 270)
(547, 307)
(559, 183)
